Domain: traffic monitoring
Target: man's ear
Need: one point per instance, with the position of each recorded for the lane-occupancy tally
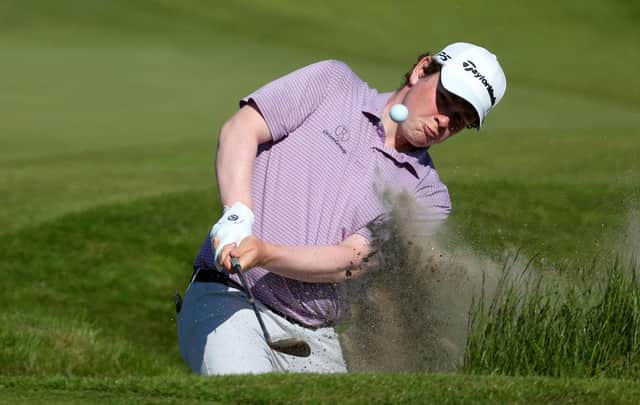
(418, 71)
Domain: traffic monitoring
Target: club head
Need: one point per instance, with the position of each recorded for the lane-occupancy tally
(293, 346)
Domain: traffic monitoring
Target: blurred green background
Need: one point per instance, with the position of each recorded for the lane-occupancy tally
(109, 113)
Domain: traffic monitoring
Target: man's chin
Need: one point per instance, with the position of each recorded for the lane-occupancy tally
(422, 144)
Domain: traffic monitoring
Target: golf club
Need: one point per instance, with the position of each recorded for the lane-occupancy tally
(293, 346)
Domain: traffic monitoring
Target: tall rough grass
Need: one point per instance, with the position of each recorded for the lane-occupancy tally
(583, 324)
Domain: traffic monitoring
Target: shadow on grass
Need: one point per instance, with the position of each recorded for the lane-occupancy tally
(92, 293)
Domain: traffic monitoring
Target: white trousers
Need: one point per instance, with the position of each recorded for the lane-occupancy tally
(218, 333)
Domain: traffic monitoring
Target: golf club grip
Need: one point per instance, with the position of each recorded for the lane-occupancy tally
(236, 267)
(235, 264)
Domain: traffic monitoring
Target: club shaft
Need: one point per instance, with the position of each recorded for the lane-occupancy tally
(236, 268)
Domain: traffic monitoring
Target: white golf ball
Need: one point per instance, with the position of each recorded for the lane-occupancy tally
(399, 113)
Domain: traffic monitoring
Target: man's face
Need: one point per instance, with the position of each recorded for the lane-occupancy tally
(435, 114)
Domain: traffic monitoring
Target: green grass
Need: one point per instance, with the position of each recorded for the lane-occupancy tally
(109, 113)
(102, 279)
(291, 388)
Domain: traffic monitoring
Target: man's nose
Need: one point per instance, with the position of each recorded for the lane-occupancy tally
(443, 122)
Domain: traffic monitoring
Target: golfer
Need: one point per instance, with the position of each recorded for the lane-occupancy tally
(300, 168)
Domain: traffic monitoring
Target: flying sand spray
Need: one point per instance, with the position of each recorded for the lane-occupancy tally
(409, 309)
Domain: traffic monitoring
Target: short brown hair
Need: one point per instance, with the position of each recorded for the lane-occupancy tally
(431, 68)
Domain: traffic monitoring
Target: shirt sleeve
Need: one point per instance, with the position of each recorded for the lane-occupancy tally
(432, 208)
(366, 231)
(434, 203)
(285, 103)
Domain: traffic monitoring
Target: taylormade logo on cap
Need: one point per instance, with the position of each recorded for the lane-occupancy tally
(443, 56)
(471, 67)
(473, 73)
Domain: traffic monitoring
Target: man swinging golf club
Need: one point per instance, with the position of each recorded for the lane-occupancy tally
(300, 167)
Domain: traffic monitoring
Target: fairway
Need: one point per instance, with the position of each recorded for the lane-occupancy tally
(109, 117)
(350, 389)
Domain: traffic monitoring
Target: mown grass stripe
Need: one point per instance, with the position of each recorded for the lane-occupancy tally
(352, 388)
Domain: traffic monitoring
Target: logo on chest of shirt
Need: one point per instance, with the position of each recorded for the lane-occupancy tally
(339, 136)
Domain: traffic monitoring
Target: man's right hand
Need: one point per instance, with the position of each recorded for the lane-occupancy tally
(252, 252)
(235, 225)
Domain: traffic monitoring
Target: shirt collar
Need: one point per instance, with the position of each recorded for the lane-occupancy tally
(374, 108)
(375, 104)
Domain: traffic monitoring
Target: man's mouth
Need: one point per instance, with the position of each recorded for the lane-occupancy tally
(430, 132)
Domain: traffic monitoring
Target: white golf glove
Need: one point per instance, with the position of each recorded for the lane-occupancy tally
(236, 224)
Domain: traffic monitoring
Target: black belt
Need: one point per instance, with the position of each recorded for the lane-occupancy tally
(214, 276)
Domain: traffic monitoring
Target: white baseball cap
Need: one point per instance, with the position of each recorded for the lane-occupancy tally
(473, 73)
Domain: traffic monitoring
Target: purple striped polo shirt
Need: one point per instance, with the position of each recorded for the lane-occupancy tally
(320, 180)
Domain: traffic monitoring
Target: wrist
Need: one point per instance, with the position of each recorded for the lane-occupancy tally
(269, 253)
(239, 208)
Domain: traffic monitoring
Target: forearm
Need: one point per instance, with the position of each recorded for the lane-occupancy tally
(234, 167)
(316, 264)
(237, 148)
